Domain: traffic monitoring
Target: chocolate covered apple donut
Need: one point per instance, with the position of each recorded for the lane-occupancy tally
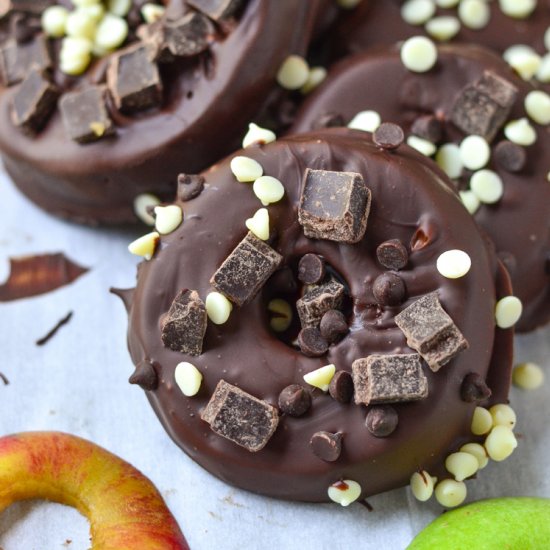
(316, 320)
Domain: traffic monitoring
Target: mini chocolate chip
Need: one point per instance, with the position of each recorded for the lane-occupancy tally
(189, 186)
(388, 136)
(510, 156)
(428, 127)
(311, 269)
(389, 289)
(145, 376)
(474, 389)
(311, 343)
(392, 254)
(327, 446)
(381, 421)
(341, 387)
(328, 120)
(333, 326)
(294, 400)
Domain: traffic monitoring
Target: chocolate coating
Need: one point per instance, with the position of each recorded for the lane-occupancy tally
(408, 192)
(519, 223)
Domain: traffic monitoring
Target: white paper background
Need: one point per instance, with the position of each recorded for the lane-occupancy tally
(78, 383)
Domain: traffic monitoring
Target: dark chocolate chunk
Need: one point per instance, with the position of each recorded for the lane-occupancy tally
(311, 269)
(510, 156)
(23, 28)
(184, 326)
(145, 376)
(134, 80)
(328, 120)
(217, 9)
(381, 420)
(430, 331)
(483, 107)
(317, 301)
(389, 289)
(388, 136)
(34, 102)
(428, 127)
(327, 446)
(392, 254)
(189, 186)
(474, 389)
(389, 379)
(334, 205)
(341, 386)
(188, 35)
(85, 115)
(246, 269)
(17, 60)
(240, 417)
(311, 343)
(333, 326)
(294, 400)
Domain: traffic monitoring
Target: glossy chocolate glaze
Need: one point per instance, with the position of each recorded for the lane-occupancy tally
(409, 194)
(519, 223)
(206, 109)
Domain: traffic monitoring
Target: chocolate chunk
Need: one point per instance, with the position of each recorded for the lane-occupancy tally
(189, 186)
(184, 326)
(341, 387)
(428, 127)
(328, 120)
(317, 301)
(334, 205)
(389, 289)
(327, 446)
(382, 420)
(85, 115)
(311, 343)
(217, 9)
(333, 326)
(246, 270)
(34, 102)
(389, 379)
(510, 156)
(388, 136)
(294, 400)
(240, 417)
(430, 331)
(17, 60)
(392, 254)
(482, 108)
(188, 35)
(145, 376)
(134, 80)
(23, 28)
(311, 269)
(474, 389)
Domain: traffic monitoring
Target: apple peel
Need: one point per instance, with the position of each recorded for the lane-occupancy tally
(124, 508)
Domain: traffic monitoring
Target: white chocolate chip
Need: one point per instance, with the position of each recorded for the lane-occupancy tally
(523, 59)
(218, 308)
(487, 186)
(454, 264)
(508, 311)
(547, 38)
(168, 218)
(54, 21)
(543, 72)
(422, 485)
(461, 465)
(268, 189)
(145, 246)
(482, 421)
(470, 201)
(188, 378)
(84, 3)
(477, 450)
(152, 12)
(320, 378)
(348, 4)
(315, 77)
(443, 28)
(259, 224)
(246, 169)
(282, 314)
(474, 14)
(368, 121)
(450, 493)
(448, 159)
(344, 492)
(422, 145)
(111, 32)
(474, 152)
(79, 24)
(417, 12)
(537, 105)
(520, 132)
(503, 415)
(520, 9)
(75, 55)
(418, 54)
(293, 73)
(96, 11)
(528, 376)
(500, 443)
(256, 134)
(447, 3)
(142, 203)
(119, 7)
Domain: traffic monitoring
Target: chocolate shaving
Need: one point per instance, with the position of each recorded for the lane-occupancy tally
(45, 339)
(317, 301)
